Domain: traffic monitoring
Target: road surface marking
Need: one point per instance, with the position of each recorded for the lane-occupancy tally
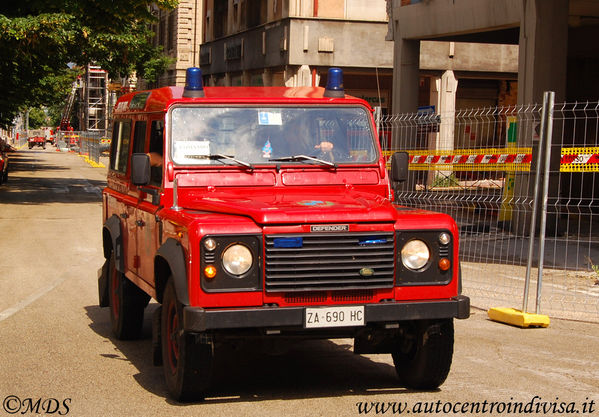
(32, 298)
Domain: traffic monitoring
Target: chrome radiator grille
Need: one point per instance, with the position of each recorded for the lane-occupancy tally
(329, 261)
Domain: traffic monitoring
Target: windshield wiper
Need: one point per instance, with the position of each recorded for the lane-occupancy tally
(220, 156)
(299, 158)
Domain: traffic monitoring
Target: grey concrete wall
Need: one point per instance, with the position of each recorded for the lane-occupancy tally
(354, 44)
(296, 42)
(442, 17)
(436, 55)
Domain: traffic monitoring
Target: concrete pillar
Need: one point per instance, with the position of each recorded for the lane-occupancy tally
(542, 67)
(443, 97)
(246, 79)
(543, 50)
(267, 78)
(406, 75)
(298, 76)
(446, 87)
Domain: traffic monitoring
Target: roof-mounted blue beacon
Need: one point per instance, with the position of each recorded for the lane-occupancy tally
(334, 88)
(194, 86)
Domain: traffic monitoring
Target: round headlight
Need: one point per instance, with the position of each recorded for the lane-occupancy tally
(415, 255)
(237, 259)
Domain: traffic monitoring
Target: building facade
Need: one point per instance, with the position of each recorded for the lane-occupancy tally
(294, 42)
(179, 32)
(551, 36)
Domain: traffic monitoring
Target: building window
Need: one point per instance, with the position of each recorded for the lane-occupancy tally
(162, 31)
(220, 18)
(257, 13)
(172, 31)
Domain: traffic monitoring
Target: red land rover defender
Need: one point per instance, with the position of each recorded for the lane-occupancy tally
(36, 138)
(267, 212)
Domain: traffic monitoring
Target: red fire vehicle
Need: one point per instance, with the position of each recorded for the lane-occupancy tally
(36, 138)
(267, 213)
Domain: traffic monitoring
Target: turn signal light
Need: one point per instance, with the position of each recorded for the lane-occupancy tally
(210, 271)
(444, 264)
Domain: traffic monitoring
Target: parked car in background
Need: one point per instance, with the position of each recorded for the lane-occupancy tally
(4, 149)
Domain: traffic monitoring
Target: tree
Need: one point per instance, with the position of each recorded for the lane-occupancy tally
(41, 39)
(38, 118)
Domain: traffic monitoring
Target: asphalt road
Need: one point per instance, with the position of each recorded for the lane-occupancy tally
(56, 345)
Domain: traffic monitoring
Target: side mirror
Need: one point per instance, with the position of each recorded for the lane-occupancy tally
(140, 169)
(399, 166)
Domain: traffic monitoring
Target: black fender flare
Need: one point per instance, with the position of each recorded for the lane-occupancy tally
(112, 227)
(173, 254)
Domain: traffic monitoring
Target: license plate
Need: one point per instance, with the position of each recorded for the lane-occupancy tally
(334, 316)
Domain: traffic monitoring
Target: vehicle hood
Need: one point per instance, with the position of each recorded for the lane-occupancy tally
(306, 206)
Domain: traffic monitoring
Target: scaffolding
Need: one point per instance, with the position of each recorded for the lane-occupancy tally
(95, 100)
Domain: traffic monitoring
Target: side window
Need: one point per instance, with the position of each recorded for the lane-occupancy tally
(139, 137)
(119, 152)
(157, 147)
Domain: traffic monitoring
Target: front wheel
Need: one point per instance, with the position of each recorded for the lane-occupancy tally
(127, 303)
(187, 358)
(423, 357)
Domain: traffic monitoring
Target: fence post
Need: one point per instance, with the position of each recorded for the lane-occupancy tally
(544, 139)
(535, 196)
(549, 133)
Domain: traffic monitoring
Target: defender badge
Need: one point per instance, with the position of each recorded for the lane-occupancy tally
(330, 228)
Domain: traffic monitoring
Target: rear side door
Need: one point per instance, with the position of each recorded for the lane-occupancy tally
(121, 199)
(148, 225)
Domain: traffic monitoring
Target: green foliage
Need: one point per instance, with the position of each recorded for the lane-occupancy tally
(40, 38)
(38, 118)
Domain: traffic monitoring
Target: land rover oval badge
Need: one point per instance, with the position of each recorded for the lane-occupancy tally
(366, 272)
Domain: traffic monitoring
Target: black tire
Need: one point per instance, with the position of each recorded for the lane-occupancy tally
(187, 359)
(127, 303)
(423, 358)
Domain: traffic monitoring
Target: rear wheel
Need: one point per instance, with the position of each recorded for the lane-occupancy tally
(187, 358)
(127, 303)
(423, 358)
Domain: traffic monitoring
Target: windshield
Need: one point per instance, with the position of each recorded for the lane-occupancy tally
(269, 135)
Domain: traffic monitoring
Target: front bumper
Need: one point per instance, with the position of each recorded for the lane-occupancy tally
(197, 319)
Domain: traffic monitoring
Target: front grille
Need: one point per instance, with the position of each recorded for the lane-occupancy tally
(355, 296)
(330, 261)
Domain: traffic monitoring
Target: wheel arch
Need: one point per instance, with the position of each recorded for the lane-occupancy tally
(170, 261)
(112, 240)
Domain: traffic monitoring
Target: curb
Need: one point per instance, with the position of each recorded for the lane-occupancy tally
(92, 163)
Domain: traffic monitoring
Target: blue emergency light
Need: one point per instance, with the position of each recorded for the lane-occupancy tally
(334, 86)
(193, 83)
